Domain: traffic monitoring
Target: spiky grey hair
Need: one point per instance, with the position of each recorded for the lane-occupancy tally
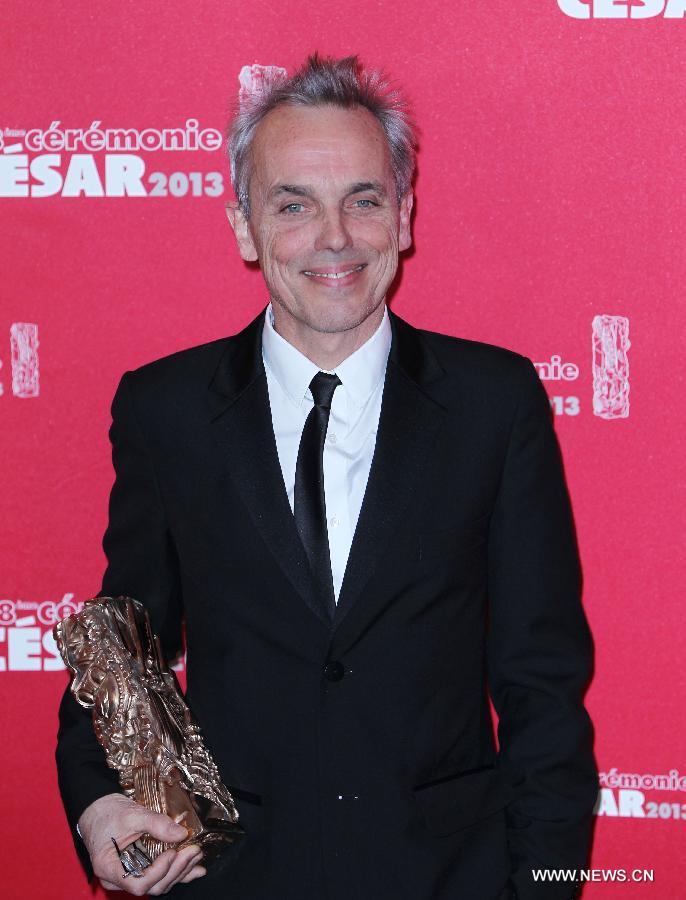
(324, 81)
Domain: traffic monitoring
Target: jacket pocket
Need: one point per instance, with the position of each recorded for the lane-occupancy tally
(462, 800)
(245, 796)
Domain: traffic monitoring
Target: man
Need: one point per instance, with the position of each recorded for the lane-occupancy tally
(366, 530)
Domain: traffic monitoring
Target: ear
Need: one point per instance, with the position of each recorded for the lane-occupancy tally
(239, 223)
(405, 232)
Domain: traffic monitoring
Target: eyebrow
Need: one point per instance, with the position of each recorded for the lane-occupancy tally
(297, 189)
(300, 190)
(360, 186)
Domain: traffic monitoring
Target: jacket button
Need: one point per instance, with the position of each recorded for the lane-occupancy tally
(334, 670)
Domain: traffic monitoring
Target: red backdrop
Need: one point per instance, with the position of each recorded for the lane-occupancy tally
(550, 192)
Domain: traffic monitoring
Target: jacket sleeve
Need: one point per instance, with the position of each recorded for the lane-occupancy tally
(141, 563)
(540, 654)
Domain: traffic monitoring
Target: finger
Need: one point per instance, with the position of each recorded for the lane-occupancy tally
(157, 825)
(107, 863)
(109, 886)
(177, 868)
(194, 861)
(126, 821)
(195, 872)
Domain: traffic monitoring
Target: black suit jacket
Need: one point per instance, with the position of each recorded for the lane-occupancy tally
(361, 755)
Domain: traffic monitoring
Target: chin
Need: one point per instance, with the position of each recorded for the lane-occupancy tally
(328, 315)
(342, 319)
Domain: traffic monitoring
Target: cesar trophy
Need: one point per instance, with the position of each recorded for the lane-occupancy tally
(145, 727)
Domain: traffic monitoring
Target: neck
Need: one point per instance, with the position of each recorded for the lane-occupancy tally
(325, 349)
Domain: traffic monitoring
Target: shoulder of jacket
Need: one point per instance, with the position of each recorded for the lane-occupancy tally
(188, 360)
(177, 378)
(469, 358)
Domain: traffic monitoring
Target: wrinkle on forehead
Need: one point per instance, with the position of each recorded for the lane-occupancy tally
(315, 144)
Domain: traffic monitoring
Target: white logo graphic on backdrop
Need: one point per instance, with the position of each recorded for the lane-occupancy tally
(623, 795)
(611, 367)
(24, 350)
(103, 162)
(255, 79)
(623, 9)
(24, 360)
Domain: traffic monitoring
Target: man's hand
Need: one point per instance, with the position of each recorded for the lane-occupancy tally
(115, 816)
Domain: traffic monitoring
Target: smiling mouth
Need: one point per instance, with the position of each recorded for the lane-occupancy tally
(334, 275)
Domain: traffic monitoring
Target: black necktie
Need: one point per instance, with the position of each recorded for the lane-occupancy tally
(309, 505)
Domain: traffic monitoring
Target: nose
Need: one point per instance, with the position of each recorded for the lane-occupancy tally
(333, 234)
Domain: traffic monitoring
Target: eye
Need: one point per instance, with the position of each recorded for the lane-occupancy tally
(365, 203)
(292, 208)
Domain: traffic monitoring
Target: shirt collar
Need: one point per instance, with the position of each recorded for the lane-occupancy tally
(360, 372)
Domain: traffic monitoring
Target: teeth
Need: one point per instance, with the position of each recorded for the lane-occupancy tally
(335, 274)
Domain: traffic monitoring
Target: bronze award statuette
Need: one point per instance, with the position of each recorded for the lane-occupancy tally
(147, 731)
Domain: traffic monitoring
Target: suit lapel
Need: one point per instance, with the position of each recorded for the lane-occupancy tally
(241, 426)
(242, 429)
(408, 427)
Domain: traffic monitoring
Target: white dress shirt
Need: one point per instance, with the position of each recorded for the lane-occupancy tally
(351, 433)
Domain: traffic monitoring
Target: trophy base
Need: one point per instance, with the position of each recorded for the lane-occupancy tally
(214, 839)
(208, 826)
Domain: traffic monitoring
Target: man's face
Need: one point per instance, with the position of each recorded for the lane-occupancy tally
(325, 223)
